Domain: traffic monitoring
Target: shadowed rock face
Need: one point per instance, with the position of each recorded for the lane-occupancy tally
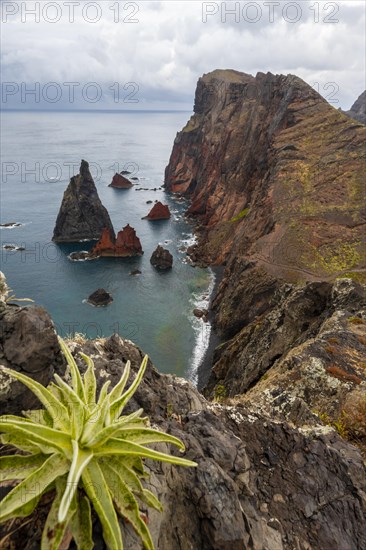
(126, 244)
(82, 215)
(276, 179)
(358, 109)
(260, 483)
(158, 212)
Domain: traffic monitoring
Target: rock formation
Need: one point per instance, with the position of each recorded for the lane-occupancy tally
(358, 109)
(161, 258)
(126, 244)
(100, 298)
(120, 182)
(82, 215)
(275, 178)
(260, 483)
(158, 212)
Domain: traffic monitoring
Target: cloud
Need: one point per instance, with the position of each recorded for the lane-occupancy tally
(169, 45)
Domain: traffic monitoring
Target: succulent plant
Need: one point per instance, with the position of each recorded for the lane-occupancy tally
(87, 452)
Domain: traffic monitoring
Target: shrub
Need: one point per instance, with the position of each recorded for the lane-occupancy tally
(87, 452)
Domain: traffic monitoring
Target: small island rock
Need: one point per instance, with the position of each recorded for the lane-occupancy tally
(158, 212)
(161, 258)
(100, 298)
(125, 245)
(120, 182)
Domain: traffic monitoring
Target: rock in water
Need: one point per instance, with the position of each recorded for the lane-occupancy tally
(120, 182)
(125, 245)
(100, 298)
(158, 212)
(161, 258)
(82, 215)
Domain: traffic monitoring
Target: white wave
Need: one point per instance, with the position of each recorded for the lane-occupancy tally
(202, 330)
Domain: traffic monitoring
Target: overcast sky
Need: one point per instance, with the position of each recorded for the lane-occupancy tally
(149, 55)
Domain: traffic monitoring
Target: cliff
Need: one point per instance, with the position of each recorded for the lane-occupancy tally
(358, 109)
(276, 180)
(126, 244)
(82, 215)
(261, 482)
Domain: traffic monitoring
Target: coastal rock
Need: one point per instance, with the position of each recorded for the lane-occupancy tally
(100, 298)
(158, 212)
(135, 272)
(358, 109)
(200, 313)
(28, 344)
(80, 256)
(120, 182)
(82, 215)
(10, 225)
(125, 245)
(260, 483)
(161, 258)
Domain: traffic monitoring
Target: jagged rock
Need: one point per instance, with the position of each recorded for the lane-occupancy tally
(200, 313)
(10, 224)
(100, 298)
(135, 272)
(161, 258)
(28, 344)
(82, 215)
(260, 483)
(158, 212)
(125, 245)
(120, 182)
(358, 109)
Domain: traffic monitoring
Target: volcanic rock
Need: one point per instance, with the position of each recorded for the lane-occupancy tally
(358, 109)
(200, 313)
(126, 244)
(158, 212)
(100, 298)
(82, 215)
(260, 483)
(135, 272)
(10, 224)
(120, 182)
(161, 258)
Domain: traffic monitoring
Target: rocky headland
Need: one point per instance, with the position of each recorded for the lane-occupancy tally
(358, 109)
(262, 482)
(82, 217)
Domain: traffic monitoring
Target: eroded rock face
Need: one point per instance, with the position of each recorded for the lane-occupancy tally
(275, 178)
(358, 109)
(120, 182)
(28, 344)
(260, 483)
(161, 258)
(125, 245)
(82, 215)
(158, 212)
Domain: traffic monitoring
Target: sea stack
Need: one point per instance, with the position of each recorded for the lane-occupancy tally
(126, 244)
(161, 258)
(100, 298)
(120, 182)
(82, 216)
(158, 212)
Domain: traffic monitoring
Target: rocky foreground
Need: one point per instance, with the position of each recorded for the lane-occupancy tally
(262, 482)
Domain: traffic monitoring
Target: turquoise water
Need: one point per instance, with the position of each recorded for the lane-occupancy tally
(153, 309)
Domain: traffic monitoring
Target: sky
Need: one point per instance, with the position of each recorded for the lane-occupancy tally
(150, 54)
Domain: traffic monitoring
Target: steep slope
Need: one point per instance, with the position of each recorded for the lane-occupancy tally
(276, 179)
(358, 109)
(82, 215)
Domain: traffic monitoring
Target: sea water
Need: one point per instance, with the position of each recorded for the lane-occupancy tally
(39, 153)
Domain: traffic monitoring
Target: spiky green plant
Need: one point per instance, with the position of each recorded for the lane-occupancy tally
(87, 452)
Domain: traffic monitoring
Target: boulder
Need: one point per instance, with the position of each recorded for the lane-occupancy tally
(200, 313)
(120, 182)
(82, 215)
(161, 258)
(135, 272)
(158, 212)
(100, 298)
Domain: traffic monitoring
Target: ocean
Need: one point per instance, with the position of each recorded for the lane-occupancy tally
(40, 151)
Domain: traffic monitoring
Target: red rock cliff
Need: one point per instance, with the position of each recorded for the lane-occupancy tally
(276, 179)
